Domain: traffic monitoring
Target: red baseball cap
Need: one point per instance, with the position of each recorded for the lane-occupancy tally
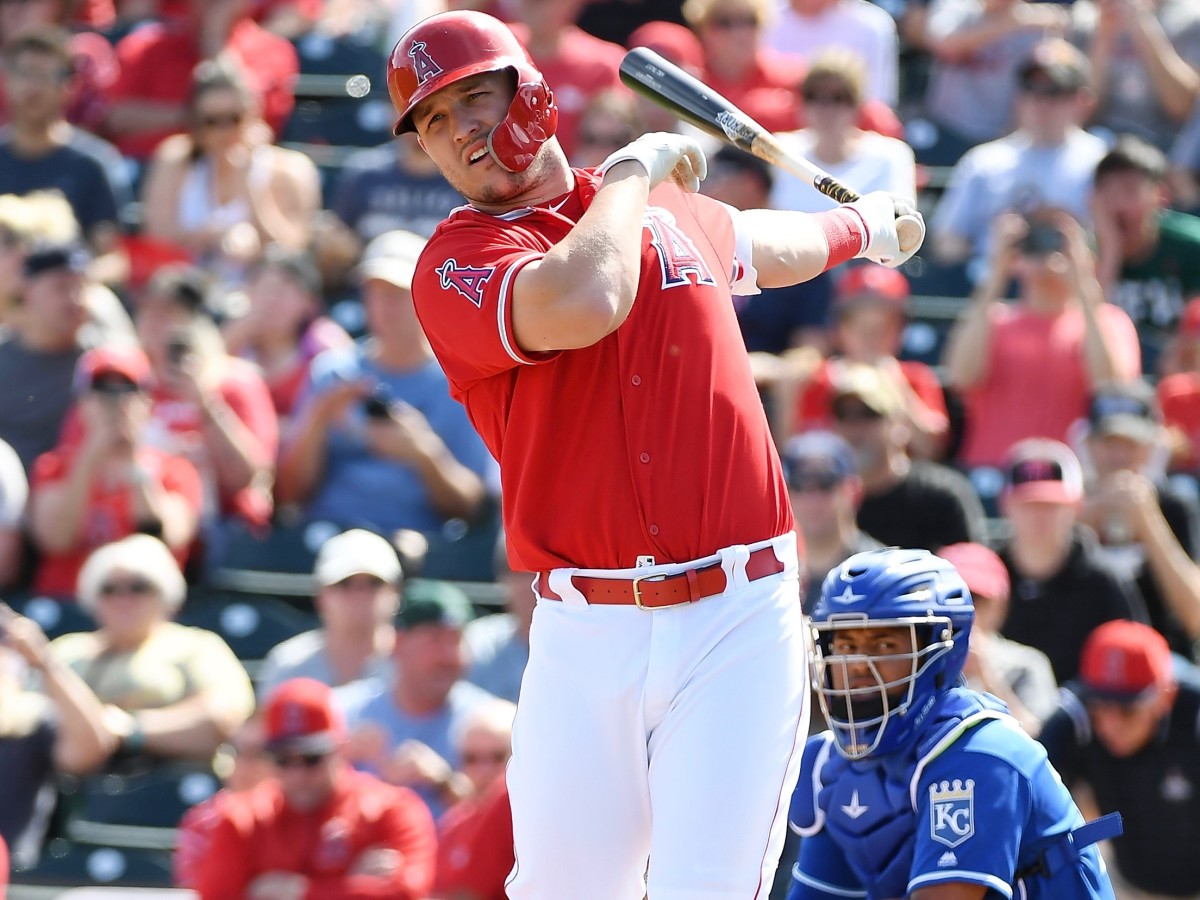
(980, 567)
(671, 41)
(300, 717)
(872, 282)
(1123, 660)
(128, 362)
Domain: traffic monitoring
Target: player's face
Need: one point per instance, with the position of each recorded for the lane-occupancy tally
(453, 125)
(307, 780)
(874, 655)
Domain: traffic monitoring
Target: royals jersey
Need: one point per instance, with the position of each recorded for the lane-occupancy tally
(650, 442)
(973, 801)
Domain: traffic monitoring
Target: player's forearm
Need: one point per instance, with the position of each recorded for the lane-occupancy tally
(83, 742)
(789, 247)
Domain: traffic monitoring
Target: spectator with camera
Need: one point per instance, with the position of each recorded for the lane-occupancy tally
(377, 441)
(1056, 343)
(104, 482)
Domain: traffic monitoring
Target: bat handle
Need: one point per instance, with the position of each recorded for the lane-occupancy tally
(908, 229)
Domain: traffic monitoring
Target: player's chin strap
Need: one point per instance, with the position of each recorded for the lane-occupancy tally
(1066, 847)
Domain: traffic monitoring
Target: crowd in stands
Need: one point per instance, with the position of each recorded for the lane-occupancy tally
(208, 351)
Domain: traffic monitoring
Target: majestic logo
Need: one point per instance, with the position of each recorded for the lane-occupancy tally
(952, 811)
(678, 257)
(854, 809)
(467, 280)
(423, 63)
(847, 596)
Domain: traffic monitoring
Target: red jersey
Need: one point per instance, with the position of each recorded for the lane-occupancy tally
(1179, 400)
(475, 847)
(257, 833)
(653, 440)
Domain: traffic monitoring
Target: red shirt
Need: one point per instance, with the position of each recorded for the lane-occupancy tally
(3, 869)
(258, 833)
(813, 406)
(653, 440)
(157, 62)
(475, 847)
(583, 67)
(1179, 401)
(109, 514)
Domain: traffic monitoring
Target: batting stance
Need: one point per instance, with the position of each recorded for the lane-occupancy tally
(922, 788)
(584, 318)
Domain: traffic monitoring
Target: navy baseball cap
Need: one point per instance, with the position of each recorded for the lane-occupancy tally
(818, 456)
(70, 256)
(1126, 410)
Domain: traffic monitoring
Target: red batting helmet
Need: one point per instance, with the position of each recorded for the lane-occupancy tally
(450, 46)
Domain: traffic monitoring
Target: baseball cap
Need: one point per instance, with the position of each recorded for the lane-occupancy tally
(356, 552)
(1122, 661)
(820, 456)
(300, 717)
(1045, 470)
(392, 257)
(119, 361)
(1127, 410)
(1054, 66)
(1189, 321)
(70, 256)
(430, 602)
(672, 41)
(873, 283)
(867, 384)
(980, 567)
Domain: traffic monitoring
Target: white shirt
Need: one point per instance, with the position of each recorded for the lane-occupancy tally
(878, 163)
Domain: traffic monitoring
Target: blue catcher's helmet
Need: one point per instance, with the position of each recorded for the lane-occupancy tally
(879, 589)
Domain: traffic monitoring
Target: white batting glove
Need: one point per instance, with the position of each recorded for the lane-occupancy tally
(664, 156)
(884, 214)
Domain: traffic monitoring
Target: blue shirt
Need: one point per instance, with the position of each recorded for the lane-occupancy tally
(974, 802)
(359, 489)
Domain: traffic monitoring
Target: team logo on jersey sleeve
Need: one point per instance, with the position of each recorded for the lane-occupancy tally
(423, 64)
(952, 811)
(678, 257)
(467, 280)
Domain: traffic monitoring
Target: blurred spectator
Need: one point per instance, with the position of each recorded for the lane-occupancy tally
(241, 764)
(474, 859)
(1148, 531)
(907, 502)
(869, 314)
(498, 644)
(1048, 161)
(393, 186)
(403, 728)
(104, 482)
(608, 122)
(1184, 175)
(170, 691)
(317, 828)
(39, 149)
(358, 580)
(576, 65)
(1179, 393)
(60, 729)
(738, 65)
(1148, 255)
(833, 138)
(14, 494)
(825, 489)
(222, 190)
(377, 441)
(1145, 58)
(484, 744)
(1127, 732)
(209, 406)
(1062, 588)
(148, 101)
(673, 42)
(618, 20)
(1018, 674)
(1056, 343)
(978, 47)
(284, 328)
(806, 27)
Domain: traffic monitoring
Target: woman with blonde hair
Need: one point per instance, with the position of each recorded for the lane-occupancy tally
(833, 95)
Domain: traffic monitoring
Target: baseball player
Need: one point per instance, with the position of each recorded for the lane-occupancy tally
(923, 788)
(584, 318)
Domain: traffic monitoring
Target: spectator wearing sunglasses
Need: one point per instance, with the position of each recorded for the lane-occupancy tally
(103, 482)
(317, 828)
(906, 502)
(610, 120)
(170, 691)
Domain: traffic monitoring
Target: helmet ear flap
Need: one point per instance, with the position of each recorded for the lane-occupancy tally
(531, 121)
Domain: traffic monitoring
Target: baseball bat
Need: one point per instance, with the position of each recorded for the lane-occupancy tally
(661, 81)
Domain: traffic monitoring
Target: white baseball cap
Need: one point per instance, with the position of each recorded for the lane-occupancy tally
(356, 552)
(392, 257)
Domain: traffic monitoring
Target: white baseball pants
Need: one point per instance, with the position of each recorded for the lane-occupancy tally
(657, 750)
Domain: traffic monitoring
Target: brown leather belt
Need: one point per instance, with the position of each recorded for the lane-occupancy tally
(661, 591)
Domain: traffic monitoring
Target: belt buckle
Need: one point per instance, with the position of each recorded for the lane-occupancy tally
(637, 593)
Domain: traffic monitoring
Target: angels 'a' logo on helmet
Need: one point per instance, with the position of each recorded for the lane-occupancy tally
(423, 64)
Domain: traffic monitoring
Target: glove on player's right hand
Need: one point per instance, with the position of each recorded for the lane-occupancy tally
(880, 212)
(664, 155)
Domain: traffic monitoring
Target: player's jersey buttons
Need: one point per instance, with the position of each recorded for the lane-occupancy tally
(654, 530)
(645, 457)
(636, 380)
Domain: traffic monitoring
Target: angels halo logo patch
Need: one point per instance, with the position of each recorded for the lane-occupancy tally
(467, 280)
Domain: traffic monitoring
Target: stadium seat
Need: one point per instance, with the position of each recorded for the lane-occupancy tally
(462, 552)
(250, 625)
(927, 278)
(342, 120)
(56, 617)
(322, 54)
(66, 863)
(154, 797)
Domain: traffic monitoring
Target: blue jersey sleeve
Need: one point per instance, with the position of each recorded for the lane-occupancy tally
(971, 811)
(822, 872)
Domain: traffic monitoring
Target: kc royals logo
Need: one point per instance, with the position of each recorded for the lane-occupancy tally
(423, 63)
(952, 811)
(467, 280)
